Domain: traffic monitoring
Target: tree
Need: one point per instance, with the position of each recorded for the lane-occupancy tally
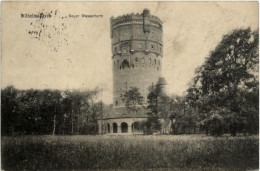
(226, 79)
(9, 110)
(133, 100)
(158, 107)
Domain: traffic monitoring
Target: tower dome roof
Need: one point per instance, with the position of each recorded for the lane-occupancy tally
(162, 81)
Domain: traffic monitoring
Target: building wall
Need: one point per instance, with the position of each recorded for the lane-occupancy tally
(137, 51)
(109, 124)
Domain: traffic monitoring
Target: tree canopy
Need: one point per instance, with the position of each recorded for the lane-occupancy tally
(228, 80)
(49, 111)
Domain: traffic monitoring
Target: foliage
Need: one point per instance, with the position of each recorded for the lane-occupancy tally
(48, 111)
(158, 108)
(228, 83)
(193, 152)
(133, 99)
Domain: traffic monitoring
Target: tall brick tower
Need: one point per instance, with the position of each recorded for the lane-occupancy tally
(137, 50)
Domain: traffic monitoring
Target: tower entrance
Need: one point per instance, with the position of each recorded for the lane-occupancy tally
(124, 127)
(114, 128)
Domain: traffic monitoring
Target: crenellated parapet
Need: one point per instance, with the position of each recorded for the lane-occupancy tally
(134, 33)
(136, 18)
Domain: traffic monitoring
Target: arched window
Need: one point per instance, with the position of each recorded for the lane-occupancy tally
(155, 61)
(125, 64)
(143, 60)
(149, 60)
(136, 60)
(116, 103)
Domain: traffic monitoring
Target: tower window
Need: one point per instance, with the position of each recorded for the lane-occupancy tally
(116, 103)
(117, 62)
(115, 50)
(152, 46)
(124, 51)
(114, 63)
(125, 64)
(143, 60)
(155, 61)
(136, 60)
(150, 61)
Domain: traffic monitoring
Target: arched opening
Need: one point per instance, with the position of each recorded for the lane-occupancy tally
(124, 127)
(114, 128)
(108, 128)
(125, 64)
(136, 127)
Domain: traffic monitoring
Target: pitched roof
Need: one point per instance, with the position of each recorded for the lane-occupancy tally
(122, 112)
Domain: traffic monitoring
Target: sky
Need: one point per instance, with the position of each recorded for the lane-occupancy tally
(68, 51)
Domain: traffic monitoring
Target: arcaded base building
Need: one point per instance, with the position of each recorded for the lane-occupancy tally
(137, 51)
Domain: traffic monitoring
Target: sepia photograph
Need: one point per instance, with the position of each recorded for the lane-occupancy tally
(116, 85)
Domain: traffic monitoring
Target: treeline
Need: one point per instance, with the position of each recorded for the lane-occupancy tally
(222, 98)
(49, 111)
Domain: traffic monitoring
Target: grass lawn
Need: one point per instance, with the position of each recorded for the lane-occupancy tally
(175, 152)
